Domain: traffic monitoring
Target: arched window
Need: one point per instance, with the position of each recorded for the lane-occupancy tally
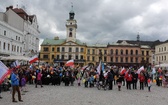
(111, 51)
(70, 34)
(116, 51)
(121, 51)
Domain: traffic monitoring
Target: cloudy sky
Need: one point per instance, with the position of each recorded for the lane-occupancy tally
(99, 21)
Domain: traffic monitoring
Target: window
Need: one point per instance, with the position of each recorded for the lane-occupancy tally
(121, 52)
(17, 48)
(88, 51)
(77, 49)
(126, 59)
(136, 52)
(53, 49)
(70, 34)
(165, 58)
(45, 56)
(93, 51)
(82, 50)
(126, 52)
(45, 49)
(131, 59)
(164, 48)
(147, 60)
(111, 59)
(81, 57)
(93, 58)
(20, 49)
(116, 51)
(70, 49)
(121, 59)
(105, 59)
(52, 56)
(131, 52)
(111, 51)
(58, 49)
(58, 57)
(4, 45)
(16, 37)
(116, 59)
(105, 51)
(88, 58)
(69, 57)
(147, 52)
(136, 60)
(76, 57)
(8, 46)
(4, 32)
(142, 52)
(62, 57)
(63, 49)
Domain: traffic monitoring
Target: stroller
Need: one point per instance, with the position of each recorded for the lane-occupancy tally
(101, 85)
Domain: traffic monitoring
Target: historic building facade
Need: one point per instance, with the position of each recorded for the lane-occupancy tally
(122, 53)
(161, 53)
(19, 34)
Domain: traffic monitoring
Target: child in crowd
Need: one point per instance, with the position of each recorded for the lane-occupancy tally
(91, 81)
(149, 84)
(23, 84)
(119, 82)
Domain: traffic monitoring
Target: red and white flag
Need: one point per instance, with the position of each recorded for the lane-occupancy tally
(99, 68)
(33, 59)
(4, 71)
(16, 64)
(140, 69)
(123, 70)
(69, 63)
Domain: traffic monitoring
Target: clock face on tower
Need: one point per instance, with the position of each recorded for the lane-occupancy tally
(70, 29)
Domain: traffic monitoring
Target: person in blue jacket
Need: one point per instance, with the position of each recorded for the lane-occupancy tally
(15, 85)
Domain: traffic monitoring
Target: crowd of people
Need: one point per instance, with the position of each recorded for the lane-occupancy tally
(89, 76)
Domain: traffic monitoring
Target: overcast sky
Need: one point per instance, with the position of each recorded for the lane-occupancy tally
(99, 21)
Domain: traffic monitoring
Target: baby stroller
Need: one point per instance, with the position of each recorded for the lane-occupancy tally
(101, 84)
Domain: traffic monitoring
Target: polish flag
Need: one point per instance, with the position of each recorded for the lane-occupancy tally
(69, 63)
(99, 68)
(140, 69)
(16, 64)
(123, 70)
(4, 72)
(33, 59)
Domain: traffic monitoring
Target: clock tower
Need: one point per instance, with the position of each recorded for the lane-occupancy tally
(71, 26)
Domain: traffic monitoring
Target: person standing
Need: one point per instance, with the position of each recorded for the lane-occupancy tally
(0, 92)
(135, 79)
(128, 78)
(110, 79)
(149, 84)
(39, 76)
(15, 85)
(141, 80)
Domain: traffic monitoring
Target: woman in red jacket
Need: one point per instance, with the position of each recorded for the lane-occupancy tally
(141, 80)
(128, 78)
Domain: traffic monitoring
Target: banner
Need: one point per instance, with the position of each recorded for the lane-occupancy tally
(4, 71)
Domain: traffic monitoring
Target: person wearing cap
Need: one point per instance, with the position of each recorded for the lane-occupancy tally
(15, 85)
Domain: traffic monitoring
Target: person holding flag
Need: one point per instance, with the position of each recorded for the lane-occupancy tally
(15, 85)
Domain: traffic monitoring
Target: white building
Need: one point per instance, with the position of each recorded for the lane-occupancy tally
(161, 53)
(19, 34)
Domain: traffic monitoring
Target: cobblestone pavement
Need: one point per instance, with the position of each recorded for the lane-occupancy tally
(78, 95)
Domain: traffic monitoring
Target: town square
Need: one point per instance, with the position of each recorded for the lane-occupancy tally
(100, 52)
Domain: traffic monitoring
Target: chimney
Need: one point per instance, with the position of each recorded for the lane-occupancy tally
(10, 7)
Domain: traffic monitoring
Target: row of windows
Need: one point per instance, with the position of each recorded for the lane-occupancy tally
(161, 58)
(116, 59)
(17, 37)
(7, 46)
(63, 49)
(162, 49)
(64, 57)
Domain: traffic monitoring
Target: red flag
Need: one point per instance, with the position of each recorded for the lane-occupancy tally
(69, 63)
(140, 69)
(123, 71)
(33, 59)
